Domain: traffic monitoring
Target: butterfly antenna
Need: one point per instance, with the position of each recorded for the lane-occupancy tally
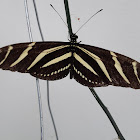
(89, 20)
(58, 14)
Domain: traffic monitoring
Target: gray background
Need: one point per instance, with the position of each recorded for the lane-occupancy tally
(77, 114)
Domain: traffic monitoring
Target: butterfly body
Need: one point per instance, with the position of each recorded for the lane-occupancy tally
(91, 66)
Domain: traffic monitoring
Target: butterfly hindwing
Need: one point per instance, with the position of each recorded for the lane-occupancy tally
(52, 66)
(87, 70)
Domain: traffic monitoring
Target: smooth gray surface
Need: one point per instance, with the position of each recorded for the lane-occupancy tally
(76, 113)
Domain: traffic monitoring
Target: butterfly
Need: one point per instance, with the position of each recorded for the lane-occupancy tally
(89, 65)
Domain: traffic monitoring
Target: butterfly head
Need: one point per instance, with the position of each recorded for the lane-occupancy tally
(73, 38)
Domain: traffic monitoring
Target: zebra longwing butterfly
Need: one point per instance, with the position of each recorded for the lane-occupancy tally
(91, 66)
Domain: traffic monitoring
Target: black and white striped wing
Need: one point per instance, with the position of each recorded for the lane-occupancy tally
(44, 60)
(90, 66)
(95, 67)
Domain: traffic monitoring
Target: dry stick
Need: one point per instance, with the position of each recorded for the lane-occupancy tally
(37, 80)
(48, 97)
(120, 136)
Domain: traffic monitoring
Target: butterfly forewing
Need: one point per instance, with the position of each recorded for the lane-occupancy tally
(111, 68)
(50, 60)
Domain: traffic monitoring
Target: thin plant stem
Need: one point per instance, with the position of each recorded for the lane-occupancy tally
(28, 21)
(40, 109)
(68, 17)
(37, 80)
(48, 97)
(120, 136)
(38, 22)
